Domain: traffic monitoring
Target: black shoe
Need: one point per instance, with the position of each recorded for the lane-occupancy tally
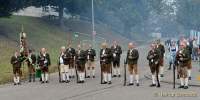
(67, 81)
(63, 81)
(137, 84)
(109, 82)
(114, 75)
(158, 85)
(80, 81)
(88, 77)
(19, 83)
(47, 81)
(185, 87)
(104, 83)
(190, 78)
(161, 75)
(119, 75)
(181, 86)
(29, 81)
(15, 84)
(93, 76)
(130, 84)
(42, 82)
(83, 82)
(152, 85)
(70, 76)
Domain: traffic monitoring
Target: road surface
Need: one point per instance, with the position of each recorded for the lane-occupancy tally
(93, 90)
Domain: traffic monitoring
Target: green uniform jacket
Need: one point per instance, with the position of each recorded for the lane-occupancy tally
(153, 57)
(41, 60)
(91, 53)
(132, 57)
(16, 61)
(107, 58)
(81, 57)
(117, 51)
(182, 57)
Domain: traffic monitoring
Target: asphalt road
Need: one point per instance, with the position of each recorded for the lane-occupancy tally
(93, 90)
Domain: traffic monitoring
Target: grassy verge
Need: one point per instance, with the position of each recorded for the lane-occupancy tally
(41, 33)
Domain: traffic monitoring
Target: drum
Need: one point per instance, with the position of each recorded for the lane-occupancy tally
(38, 73)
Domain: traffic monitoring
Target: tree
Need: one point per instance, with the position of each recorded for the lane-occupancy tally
(188, 14)
(7, 7)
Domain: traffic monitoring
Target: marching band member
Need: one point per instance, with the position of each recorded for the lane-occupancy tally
(154, 59)
(132, 59)
(182, 59)
(105, 62)
(44, 63)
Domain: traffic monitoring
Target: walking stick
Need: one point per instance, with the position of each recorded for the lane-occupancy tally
(75, 67)
(85, 72)
(59, 74)
(124, 72)
(174, 77)
(101, 73)
(111, 69)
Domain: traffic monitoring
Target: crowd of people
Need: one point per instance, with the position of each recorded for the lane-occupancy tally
(81, 63)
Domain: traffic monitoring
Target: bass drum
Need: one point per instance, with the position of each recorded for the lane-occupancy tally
(38, 73)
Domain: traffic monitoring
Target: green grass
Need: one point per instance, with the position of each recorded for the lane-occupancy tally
(42, 33)
(39, 34)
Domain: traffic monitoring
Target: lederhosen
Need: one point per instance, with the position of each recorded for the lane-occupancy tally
(80, 60)
(132, 59)
(72, 54)
(182, 58)
(44, 62)
(154, 57)
(106, 60)
(65, 61)
(116, 54)
(16, 63)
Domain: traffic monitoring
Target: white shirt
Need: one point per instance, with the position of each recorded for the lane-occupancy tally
(131, 51)
(103, 51)
(79, 51)
(61, 59)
